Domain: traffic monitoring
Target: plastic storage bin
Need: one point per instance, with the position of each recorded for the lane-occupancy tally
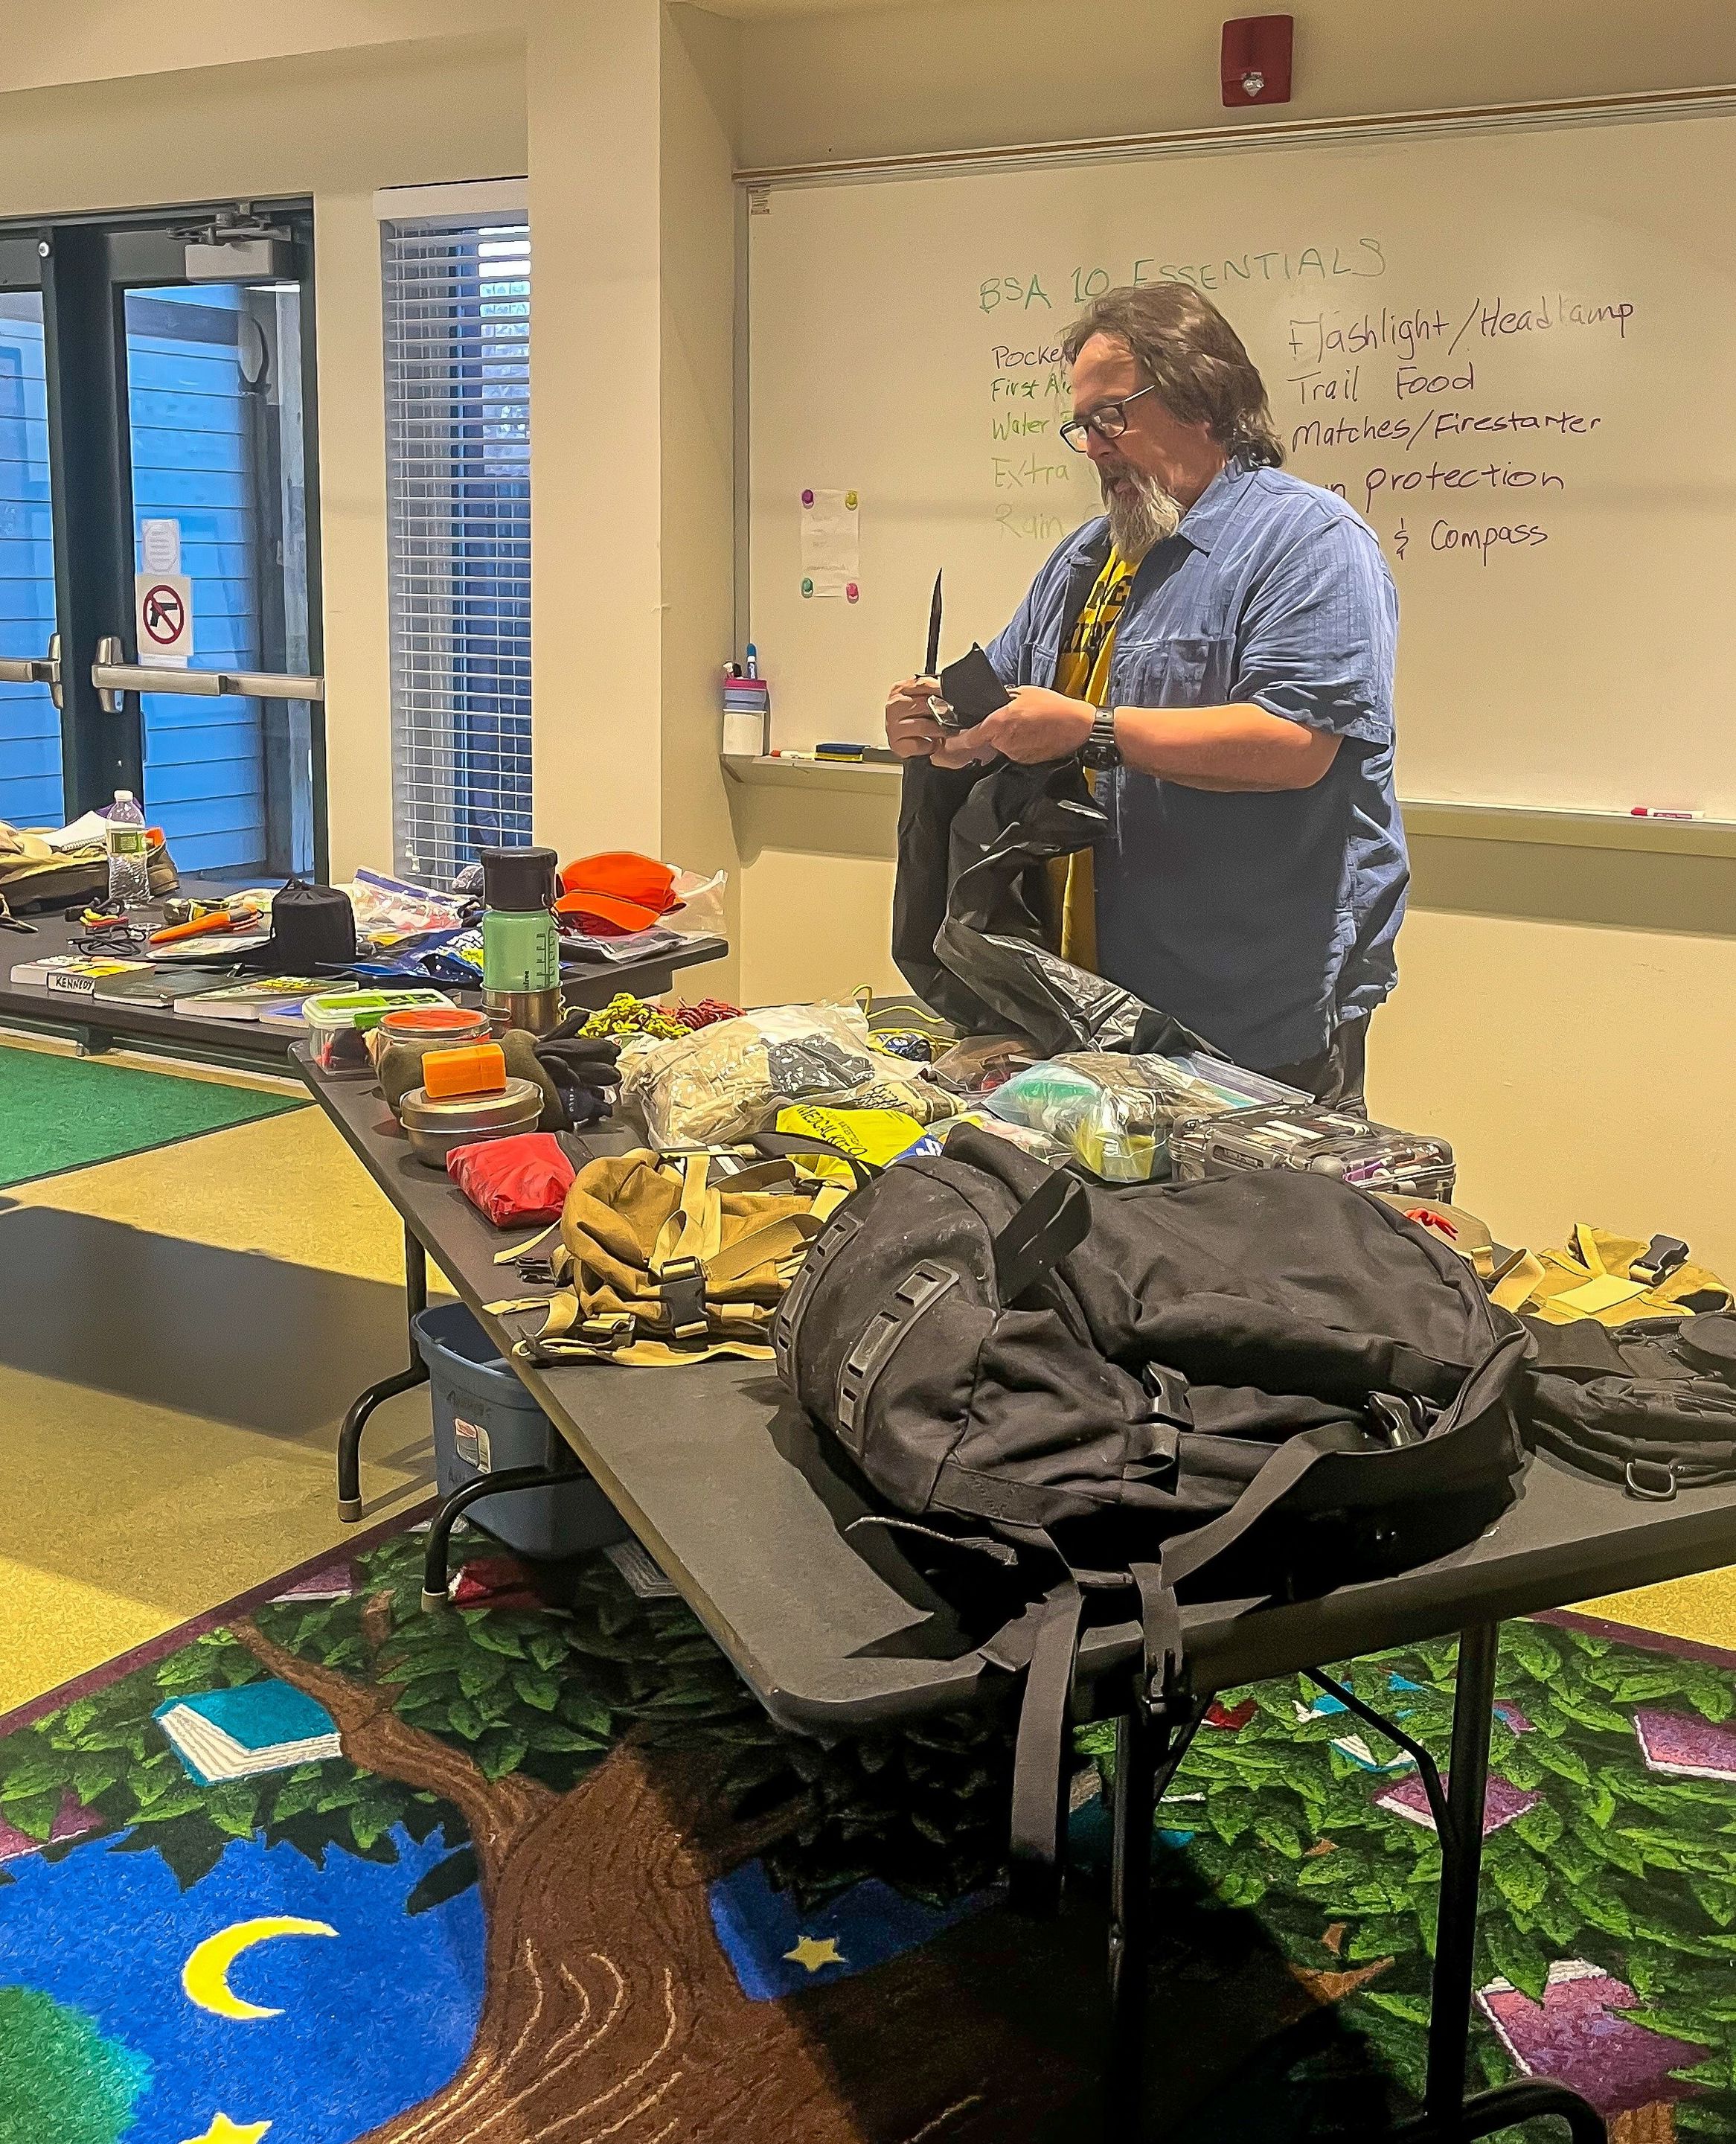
(484, 1421)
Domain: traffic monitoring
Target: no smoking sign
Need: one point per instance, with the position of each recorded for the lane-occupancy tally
(164, 606)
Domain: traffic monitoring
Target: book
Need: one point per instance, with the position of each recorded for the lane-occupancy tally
(644, 1576)
(71, 974)
(214, 945)
(1682, 1746)
(237, 1733)
(150, 987)
(247, 1000)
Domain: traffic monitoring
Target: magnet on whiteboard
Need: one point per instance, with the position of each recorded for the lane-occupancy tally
(807, 586)
(807, 499)
(850, 500)
(852, 591)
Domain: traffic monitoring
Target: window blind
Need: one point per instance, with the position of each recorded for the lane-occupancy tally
(458, 487)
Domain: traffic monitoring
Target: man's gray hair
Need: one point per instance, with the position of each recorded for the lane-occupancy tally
(1189, 352)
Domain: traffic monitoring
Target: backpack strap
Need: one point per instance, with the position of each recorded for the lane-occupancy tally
(1040, 1752)
(779, 1144)
(1055, 1220)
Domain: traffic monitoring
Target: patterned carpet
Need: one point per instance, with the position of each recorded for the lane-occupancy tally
(321, 1869)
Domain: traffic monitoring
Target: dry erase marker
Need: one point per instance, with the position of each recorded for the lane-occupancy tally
(1651, 811)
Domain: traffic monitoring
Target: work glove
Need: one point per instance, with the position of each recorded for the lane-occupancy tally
(582, 1068)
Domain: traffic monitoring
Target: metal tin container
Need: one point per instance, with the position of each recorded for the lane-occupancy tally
(538, 1011)
(434, 1128)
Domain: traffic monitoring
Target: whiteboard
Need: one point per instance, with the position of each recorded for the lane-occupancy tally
(1513, 352)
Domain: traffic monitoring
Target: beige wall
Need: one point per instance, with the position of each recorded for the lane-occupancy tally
(631, 127)
(977, 72)
(1568, 1018)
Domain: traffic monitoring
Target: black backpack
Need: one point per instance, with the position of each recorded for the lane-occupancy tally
(1256, 1386)
(1651, 1405)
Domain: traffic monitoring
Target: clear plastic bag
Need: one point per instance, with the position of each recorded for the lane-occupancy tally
(1116, 1113)
(392, 906)
(729, 1081)
(699, 910)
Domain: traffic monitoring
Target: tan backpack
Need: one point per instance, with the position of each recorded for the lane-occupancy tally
(673, 1257)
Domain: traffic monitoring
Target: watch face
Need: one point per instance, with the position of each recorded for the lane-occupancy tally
(1101, 749)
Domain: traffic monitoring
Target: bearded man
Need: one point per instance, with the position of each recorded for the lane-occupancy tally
(1218, 648)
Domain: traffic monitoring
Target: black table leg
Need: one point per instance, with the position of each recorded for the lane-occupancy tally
(349, 1437)
(1138, 1743)
(1448, 2116)
(1149, 1747)
(439, 1531)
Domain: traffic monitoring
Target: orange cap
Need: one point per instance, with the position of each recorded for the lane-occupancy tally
(478, 1069)
(622, 889)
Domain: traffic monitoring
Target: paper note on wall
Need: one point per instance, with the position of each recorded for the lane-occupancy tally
(831, 545)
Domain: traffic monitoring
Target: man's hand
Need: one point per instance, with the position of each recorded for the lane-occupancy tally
(1039, 725)
(913, 732)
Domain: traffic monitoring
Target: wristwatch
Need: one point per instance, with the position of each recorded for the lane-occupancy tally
(1101, 751)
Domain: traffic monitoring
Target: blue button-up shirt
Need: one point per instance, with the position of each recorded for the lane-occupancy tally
(1261, 919)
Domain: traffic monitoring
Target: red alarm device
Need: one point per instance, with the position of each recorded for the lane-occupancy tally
(1256, 59)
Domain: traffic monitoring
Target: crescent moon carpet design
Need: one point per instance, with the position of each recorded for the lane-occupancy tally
(206, 1975)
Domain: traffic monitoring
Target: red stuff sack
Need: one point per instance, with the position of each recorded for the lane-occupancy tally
(514, 1181)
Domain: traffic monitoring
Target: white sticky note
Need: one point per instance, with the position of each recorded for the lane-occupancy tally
(160, 545)
(830, 540)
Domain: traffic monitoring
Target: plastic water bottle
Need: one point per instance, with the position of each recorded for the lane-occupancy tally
(129, 875)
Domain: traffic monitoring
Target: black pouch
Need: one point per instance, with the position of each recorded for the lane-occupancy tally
(971, 690)
(313, 927)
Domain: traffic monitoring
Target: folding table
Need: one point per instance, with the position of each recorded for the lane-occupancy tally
(744, 1505)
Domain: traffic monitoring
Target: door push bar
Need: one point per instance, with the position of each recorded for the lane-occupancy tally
(112, 677)
(35, 669)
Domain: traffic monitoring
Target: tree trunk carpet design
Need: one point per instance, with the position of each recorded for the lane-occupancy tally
(536, 1869)
(59, 1113)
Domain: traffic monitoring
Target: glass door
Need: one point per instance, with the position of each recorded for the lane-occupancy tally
(31, 786)
(178, 413)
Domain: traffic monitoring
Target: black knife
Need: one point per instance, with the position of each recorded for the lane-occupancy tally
(931, 667)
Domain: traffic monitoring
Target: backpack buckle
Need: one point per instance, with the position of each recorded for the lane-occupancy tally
(681, 1288)
(1659, 1260)
(1397, 1419)
(606, 1334)
(1652, 1492)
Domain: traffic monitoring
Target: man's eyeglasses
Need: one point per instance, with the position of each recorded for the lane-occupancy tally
(1108, 423)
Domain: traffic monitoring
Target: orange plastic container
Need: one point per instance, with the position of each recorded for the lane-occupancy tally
(479, 1068)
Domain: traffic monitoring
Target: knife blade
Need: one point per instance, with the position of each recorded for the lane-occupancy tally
(931, 667)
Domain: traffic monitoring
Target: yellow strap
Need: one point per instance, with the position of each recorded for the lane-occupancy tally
(652, 1354)
(770, 1244)
(695, 1229)
(830, 1197)
(519, 1303)
(1585, 1250)
(1514, 1289)
(517, 1250)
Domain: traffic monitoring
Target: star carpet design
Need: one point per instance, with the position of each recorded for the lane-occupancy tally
(813, 1953)
(223, 2130)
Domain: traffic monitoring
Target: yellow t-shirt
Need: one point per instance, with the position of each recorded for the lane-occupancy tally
(1082, 672)
(1082, 669)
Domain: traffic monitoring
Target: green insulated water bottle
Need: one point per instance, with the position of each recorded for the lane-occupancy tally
(521, 952)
